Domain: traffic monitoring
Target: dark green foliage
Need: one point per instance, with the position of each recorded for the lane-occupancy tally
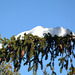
(6, 69)
(71, 70)
(30, 47)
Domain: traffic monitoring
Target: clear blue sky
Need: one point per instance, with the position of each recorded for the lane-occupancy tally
(20, 15)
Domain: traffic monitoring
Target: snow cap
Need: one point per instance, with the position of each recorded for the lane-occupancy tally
(39, 31)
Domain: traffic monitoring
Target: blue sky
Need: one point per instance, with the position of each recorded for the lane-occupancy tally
(20, 15)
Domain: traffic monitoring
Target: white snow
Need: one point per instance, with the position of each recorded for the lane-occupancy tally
(39, 31)
(0, 45)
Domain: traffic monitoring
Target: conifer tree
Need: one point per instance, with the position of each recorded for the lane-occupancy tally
(6, 69)
(30, 47)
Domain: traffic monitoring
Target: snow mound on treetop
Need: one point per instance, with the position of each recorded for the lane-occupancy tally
(39, 31)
